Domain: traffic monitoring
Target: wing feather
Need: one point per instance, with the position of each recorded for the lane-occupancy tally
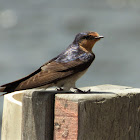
(49, 73)
(53, 72)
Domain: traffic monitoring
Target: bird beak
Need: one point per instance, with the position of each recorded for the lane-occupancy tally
(99, 37)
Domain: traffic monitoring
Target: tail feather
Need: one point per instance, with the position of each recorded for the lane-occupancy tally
(11, 87)
(2, 89)
(8, 88)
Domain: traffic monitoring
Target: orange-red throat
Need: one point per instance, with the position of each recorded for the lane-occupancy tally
(88, 41)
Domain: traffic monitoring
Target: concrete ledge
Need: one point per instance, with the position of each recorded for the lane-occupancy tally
(12, 116)
(101, 92)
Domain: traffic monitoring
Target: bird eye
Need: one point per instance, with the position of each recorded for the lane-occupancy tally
(88, 37)
(91, 37)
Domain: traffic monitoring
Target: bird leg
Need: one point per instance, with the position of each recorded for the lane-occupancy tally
(81, 91)
(59, 89)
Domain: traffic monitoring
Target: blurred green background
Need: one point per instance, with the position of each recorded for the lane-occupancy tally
(34, 31)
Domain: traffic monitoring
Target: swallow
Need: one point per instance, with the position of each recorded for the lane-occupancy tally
(62, 71)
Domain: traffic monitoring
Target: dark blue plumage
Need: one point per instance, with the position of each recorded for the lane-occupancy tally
(74, 52)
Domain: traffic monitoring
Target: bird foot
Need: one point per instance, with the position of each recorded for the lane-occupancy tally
(59, 89)
(81, 91)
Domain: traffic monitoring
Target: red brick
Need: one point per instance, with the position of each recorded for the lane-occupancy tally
(66, 119)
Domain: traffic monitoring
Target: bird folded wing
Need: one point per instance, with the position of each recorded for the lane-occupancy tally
(51, 73)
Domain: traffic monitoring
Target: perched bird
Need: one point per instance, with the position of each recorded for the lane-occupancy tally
(63, 70)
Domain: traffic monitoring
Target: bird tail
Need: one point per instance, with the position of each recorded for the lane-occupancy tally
(11, 87)
(8, 88)
(2, 90)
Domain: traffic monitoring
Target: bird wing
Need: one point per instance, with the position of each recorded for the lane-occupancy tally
(53, 72)
(49, 73)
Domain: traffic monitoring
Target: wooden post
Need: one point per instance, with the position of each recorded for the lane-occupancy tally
(110, 113)
(37, 116)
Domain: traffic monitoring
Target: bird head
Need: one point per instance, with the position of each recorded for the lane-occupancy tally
(86, 40)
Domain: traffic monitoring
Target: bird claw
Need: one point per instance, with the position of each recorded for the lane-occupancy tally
(88, 91)
(81, 91)
(59, 89)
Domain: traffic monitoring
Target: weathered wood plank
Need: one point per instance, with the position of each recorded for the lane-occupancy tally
(37, 116)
